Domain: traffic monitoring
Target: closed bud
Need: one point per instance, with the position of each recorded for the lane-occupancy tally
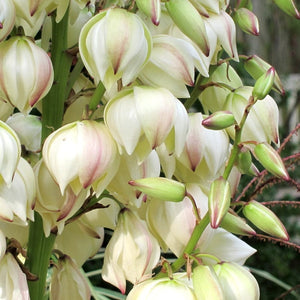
(236, 281)
(264, 219)
(218, 201)
(160, 188)
(206, 284)
(264, 84)
(236, 225)
(247, 21)
(27, 72)
(151, 8)
(189, 21)
(271, 160)
(256, 67)
(219, 120)
(244, 163)
(289, 7)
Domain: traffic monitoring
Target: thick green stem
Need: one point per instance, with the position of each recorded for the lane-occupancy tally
(53, 103)
(40, 247)
(96, 98)
(38, 254)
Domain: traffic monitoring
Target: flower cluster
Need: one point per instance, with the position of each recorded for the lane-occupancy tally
(100, 128)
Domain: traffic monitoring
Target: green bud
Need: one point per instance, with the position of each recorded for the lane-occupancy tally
(245, 165)
(236, 225)
(264, 84)
(247, 21)
(289, 7)
(264, 219)
(206, 284)
(218, 201)
(219, 120)
(271, 160)
(150, 8)
(189, 21)
(256, 67)
(160, 188)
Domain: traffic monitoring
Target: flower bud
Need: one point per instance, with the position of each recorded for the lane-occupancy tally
(151, 8)
(256, 67)
(218, 201)
(247, 20)
(27, 73)
(10, 149)
(131, 253)
(264, 219)
(206, 284)
(176, 288)
(7, 18)
(219, 120)
(189, 21)
(264, 84)
(160, 188)
(271, 160)
(13, 283)
(244, 163)
(109, 52)
(236, 225)
(236, 281)
(289, 7)
(81, 154)
(67, 282)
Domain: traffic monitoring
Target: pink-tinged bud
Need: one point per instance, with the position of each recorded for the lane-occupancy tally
(236, 225)
(264, 84)
(151, 8)
(131, 253)
(160, 188)
(236, 281)
(271, 160)
(81, 152)
(246, 20)
(13, 283)
(264, 219)
(256, 67)
(10, 149)
(171, 65)
(289, 7)
(189, 21)
(219, 120)
(7, 18)
(142, 118)
(108, 52)
(218, 201)
(177, 288)
(206, 284)
(26, 73)
(67, 281)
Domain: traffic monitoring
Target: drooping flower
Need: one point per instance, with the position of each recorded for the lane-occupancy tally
(132, 252)
(109, 52)
(26, 73)
(81, 154)
(142, 118)
(13, 283)
(7, 18)
(67, 282)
